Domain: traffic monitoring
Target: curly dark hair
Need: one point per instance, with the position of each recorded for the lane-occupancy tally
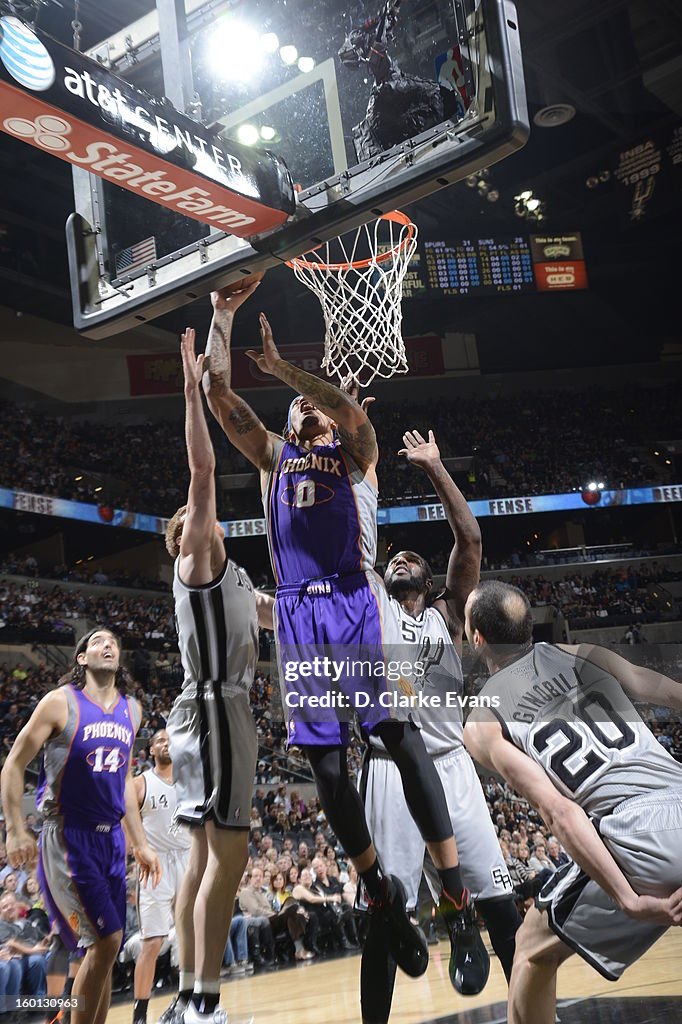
(76, 674)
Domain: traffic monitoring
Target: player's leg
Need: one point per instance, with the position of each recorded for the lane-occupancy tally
(469, 962)
(227, 857)
(532, 988)
(345, 813)
(484, 871)
(144, 976)
(400, 849)
(154, 907)
(92, 987)
(184, 921)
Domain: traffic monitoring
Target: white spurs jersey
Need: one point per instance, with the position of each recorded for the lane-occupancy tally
(574, 719)
(157, 812)
(217, 628)
(442, 727)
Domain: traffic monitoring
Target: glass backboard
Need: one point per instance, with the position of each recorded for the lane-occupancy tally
(369, 107)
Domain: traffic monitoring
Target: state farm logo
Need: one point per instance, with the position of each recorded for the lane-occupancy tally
(46, 131)
(24, 56)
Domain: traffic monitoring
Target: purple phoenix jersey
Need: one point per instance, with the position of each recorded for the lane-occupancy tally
(321, 514)
(84, 768)
(81, 793)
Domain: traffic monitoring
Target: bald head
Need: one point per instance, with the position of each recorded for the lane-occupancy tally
(501, 614)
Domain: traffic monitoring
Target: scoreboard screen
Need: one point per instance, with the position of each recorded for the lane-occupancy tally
(479, 266)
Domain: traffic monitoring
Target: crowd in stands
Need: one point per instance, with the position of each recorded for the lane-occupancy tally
(530, 443)
(28, 565)
(24, 930)
(32, 612)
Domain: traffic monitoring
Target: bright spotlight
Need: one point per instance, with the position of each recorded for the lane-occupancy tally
(532, 204)
(248, 134)
(235, 52)
(267, 133)
(306, 64)
(592, 486)
(525, 195)
(269, 42)
(289, 54)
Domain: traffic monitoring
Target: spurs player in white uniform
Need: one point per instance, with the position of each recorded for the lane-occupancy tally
(156, 799)
(434, 627)
(212, 734)
(566, 735)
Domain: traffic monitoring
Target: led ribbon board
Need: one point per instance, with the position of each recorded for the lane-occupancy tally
(63, 103)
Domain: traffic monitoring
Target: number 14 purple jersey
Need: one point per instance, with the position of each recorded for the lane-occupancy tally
(321, 514)
(84, 768)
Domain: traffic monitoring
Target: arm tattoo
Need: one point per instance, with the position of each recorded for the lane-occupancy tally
(362, 444)
(243, 418)
(218, 352)
(320, 392)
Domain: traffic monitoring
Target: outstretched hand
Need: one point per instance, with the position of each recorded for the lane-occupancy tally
(192, 365)
(266, 360)
(21, 848)
(418, 451)
(230, 301)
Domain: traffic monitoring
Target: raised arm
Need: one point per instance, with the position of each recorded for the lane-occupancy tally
(464, 564)
(639, 683)
(240, 423)
(565, 819)
(356, 433)
(198, 533)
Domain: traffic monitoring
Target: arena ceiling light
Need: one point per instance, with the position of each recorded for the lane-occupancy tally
(306, 64)
(269, 42)
(248, 134)
(288, 54)
(235, 51)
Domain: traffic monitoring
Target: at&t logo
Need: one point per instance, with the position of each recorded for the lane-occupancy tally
(47, 131)
(24, 56)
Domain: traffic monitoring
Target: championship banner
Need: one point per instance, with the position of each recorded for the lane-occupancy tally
(45, 505)
(161, 374)
(66, 104)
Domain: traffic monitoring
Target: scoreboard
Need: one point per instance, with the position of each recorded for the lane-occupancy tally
(494, 266)
(483, 265)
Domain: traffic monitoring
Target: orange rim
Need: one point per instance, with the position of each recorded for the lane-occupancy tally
(396, 216)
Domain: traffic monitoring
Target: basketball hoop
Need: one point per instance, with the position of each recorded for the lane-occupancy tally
(360, 297)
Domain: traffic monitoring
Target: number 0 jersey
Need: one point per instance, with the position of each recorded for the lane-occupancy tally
(574, 719)
(321, 513)
(84, 768)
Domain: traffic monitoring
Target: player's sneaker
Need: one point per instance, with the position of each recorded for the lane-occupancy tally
(406, 943)
(174, 1013)
(469, 961)
(192, 1016)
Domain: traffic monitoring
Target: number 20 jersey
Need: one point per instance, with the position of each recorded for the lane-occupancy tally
(574, 719)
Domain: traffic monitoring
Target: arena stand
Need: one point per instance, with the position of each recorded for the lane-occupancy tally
(524, 444)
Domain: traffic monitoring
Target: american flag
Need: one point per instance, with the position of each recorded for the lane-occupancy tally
(138, 255)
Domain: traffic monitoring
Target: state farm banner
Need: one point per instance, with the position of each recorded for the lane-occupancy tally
(161, 374)
(66, 104)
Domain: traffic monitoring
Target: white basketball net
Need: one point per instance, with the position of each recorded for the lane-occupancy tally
(361, 296)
